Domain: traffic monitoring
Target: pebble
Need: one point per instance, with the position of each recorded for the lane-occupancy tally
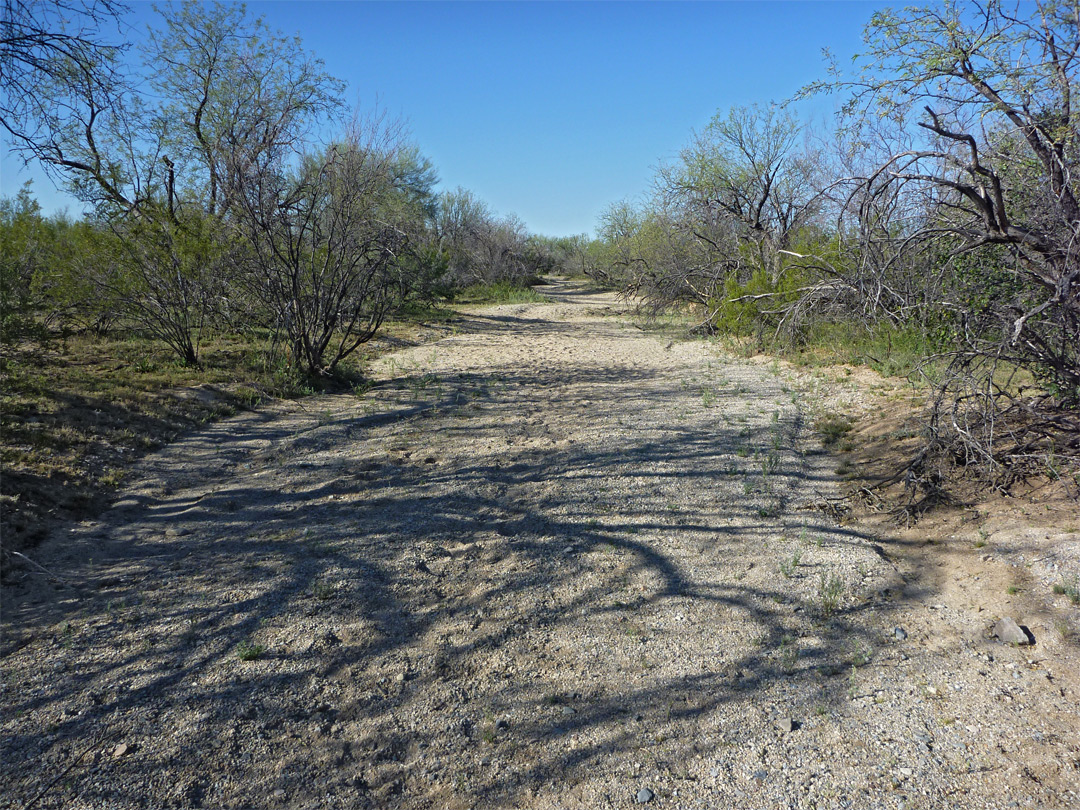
(900, 633)
(568, 710)
(788, 725)
(644, 796)
(122, 750)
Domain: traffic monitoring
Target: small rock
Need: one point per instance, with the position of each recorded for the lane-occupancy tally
(502, 724)
(279, 793)
(568, 710)
(174, 532)
(1008, 631)
(788, 725)
(644, 796)
(122, 750)
(900, 634)
(760, 776)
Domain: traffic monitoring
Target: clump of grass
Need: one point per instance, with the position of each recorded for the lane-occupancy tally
(830, 593)
(861, 654)
(787, 567)
(500, 292)
(833, 428)
(1069, 589)
(248, 650)
(323, 591)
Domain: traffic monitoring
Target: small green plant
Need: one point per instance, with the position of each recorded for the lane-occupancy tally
(1069, 589)
(323, 591)
(191, 632)
(861, 654)
(830, 592)
(1012, 590)
(249, 396)
(248, 650)
(112, 477)
(789, 654)
(833, 428)
(787, 567)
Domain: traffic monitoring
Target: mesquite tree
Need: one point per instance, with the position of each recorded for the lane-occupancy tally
(326, 239)
(977, 101)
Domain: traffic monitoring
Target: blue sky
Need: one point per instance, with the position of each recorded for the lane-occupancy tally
(554, 110)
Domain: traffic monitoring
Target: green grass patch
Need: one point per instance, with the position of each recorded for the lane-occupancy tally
(500, 292)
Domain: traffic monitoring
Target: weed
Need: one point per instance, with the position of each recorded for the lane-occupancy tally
(830, 593)
(323, 591)
(1069, 589)
(861, 654)
(845, 470)
(191, 632)
(787, 567)
(833, 428)
(112, 477)
(1012, 590)
(853, 684)
(789, 654)
(248, 650)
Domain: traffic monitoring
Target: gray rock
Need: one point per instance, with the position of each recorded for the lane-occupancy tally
(568, 710)
(502, 724)
(122, 750)
(900, 634)
(788, 725)
(644, 796)
(1008, 631)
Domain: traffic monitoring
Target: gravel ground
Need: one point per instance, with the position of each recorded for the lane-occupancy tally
(552, 561)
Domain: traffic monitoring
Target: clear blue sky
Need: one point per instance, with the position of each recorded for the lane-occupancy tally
(553, 110)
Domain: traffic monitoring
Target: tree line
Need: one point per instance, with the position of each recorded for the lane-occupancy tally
(941, 210)
(229, 188)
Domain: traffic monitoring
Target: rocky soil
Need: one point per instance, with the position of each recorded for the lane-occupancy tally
(551, 561)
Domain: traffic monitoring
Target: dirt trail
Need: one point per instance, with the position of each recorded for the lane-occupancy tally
(550, 561)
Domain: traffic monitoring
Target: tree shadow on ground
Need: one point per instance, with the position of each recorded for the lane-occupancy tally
(407, 606)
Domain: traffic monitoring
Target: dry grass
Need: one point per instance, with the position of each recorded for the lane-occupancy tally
(75, 413)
